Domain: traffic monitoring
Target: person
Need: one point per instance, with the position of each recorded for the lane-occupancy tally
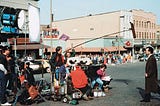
(151, 75)
(57, 59)
(29, 57)
(29, 71)
(97, 79)
(106, 79)
(11, 76)
(80, 81)
(3, 71)
(70, 54)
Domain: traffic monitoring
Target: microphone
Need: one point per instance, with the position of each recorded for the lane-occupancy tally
(133, 30)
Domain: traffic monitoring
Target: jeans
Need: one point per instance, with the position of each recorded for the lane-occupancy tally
(99, 81)
(2, 87)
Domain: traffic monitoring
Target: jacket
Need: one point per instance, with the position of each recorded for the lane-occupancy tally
(79, 78)
(151, 82)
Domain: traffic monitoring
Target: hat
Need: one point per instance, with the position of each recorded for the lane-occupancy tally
(6, 48)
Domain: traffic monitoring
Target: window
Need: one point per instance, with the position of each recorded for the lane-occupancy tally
(139, 35)
(139, 23)
(142, 24)
(142, 35)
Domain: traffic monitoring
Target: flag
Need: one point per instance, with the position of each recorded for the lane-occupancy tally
(64, 37)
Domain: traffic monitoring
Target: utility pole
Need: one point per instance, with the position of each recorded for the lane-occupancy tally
(117, 40)
(51, 17)
(51, 20)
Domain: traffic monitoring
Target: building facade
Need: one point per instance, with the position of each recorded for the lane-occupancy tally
(108, 30)
(95, 31)
(145, 27)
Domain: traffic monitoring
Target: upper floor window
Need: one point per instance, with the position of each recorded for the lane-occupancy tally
(142, 24)
(139, 23)
(136, 23)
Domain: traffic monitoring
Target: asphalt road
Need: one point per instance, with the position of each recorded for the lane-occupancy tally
(127, 88)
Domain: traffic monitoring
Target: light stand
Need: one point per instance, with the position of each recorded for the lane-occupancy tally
(42, 82)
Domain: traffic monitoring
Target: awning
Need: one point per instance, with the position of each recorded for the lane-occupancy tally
(29, 46)
(115, 48)
(92, 49)
(99, 49)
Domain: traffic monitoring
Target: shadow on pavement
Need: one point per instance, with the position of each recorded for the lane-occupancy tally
(125, 81)
(141, 91)
(153, 96)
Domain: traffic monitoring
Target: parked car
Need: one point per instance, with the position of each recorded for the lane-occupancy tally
(36, 65)
(40, 66)
(46, 65)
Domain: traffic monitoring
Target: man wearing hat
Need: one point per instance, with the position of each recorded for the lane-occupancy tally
(151, 75)
(3, 72)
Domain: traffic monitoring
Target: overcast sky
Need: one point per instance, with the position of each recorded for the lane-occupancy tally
(65, 9)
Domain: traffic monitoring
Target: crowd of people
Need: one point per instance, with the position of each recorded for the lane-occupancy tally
(81, 79)
(78, 75)
(12, 80)
(111, 58)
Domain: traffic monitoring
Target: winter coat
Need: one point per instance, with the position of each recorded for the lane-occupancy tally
(151, 81)
(56, 60)
(79, 78)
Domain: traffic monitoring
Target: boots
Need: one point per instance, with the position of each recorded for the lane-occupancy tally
(158, 90)
(146, 98)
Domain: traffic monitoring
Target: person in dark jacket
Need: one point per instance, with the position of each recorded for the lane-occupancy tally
(29, 71)
(56, 62)
(151, 75)
(57, 59)
(3, 72)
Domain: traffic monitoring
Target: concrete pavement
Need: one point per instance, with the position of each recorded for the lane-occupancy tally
(127, 88)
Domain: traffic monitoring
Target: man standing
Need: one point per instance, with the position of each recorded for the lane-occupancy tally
(3, 71)
(57, 59)
(151, 75)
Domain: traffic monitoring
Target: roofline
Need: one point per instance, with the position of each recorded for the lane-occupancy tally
(90, 15)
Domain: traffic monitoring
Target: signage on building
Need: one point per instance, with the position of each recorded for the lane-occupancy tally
(128, 43)
(50, 33)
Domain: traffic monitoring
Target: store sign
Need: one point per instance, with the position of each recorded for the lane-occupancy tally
(128, 43)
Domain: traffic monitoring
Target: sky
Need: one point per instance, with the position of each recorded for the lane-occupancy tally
(66, 9)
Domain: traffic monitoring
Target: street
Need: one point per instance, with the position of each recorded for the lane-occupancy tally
(127, 88)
